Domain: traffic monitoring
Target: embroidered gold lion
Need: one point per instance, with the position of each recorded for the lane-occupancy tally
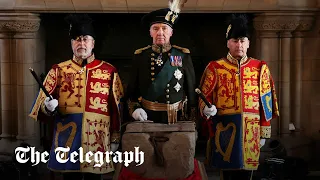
(105, 75)
(99, 88)
(248, 73)
(96, 103)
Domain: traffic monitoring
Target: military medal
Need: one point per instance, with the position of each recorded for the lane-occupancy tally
(176, 61)
(159, 61)
(177, 87)
(178, 74)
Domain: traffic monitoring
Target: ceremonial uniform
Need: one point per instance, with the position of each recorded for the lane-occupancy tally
(86, 95)
(161, 79)
(245, 97)
(243, 92)
(162, 84)
(89, 100)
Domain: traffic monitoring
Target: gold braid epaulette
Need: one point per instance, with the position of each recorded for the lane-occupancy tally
(138, 51)
(185, 50)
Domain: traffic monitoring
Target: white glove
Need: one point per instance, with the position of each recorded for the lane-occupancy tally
(210, 111)
(140, 115)
(114, 147)
(50, 104)
(262, 142)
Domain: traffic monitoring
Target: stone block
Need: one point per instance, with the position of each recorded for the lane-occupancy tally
(175, 143)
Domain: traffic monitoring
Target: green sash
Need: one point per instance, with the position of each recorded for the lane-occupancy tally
(157, 87)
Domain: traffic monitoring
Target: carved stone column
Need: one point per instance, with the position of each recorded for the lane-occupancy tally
(18, 45)
(305, 23)
(6, 85)
(284, 84)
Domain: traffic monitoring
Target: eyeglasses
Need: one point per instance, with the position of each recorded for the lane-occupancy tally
(83, 38)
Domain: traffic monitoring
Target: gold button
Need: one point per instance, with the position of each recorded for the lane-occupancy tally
(152, 79)
(152, 54)
(168, 90)
(152, 63)
(167, 96)
(152, 68)
(152, 59)
(168, 102)
(152, 74)
(168, 85)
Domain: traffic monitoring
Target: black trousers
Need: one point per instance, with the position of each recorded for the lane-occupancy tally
(235, 175)
(81, 176)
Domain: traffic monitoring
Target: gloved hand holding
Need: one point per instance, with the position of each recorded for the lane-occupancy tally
(114, 147)
(140, 115)
(51, 104)
(210, 111)
(262, 142)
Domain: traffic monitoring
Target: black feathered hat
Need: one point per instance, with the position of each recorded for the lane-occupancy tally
(238, 27)
(80, 25)
(168, 15)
